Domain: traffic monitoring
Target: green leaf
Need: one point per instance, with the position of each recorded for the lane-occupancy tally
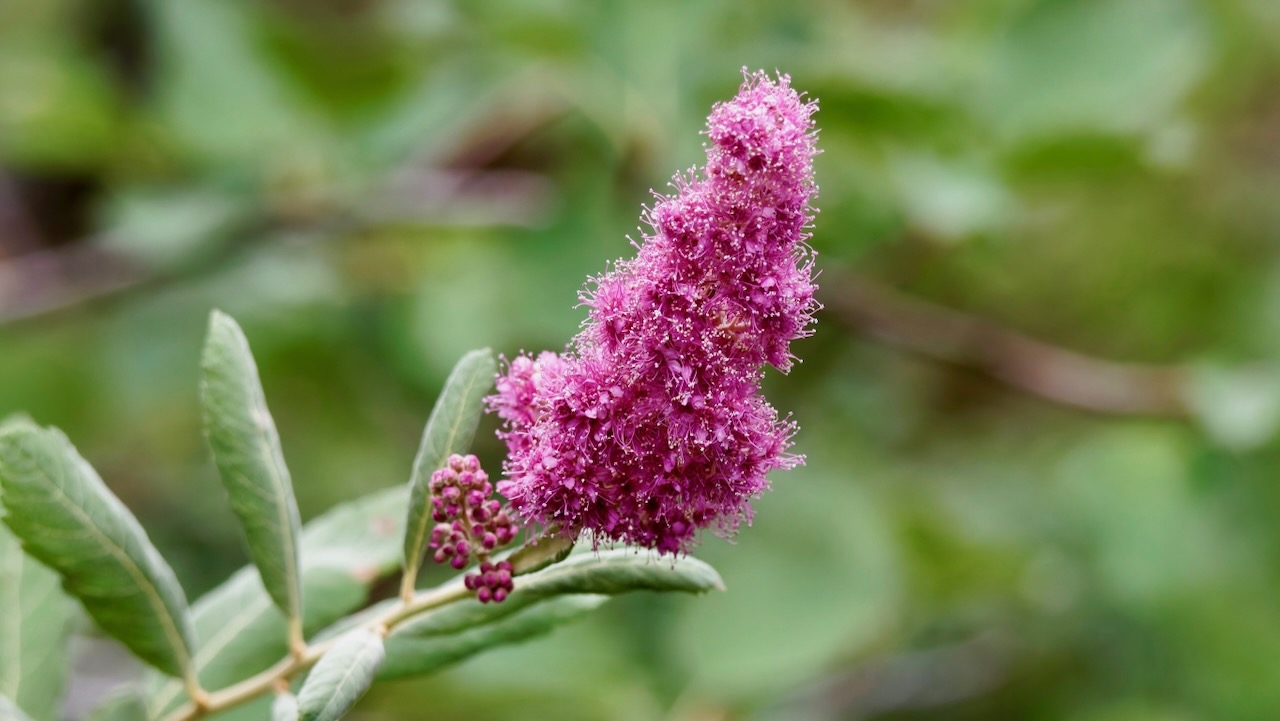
(284, 707)
(15, 420)
(68, 519)
(608, 573)
(34, 622)
(540, 602)
(246, 449)
(415, 656)
(341, 676)
(10, 711)
(450, 429)
(240, 632)
(537, 555)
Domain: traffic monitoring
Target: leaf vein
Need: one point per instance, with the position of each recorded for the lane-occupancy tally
(284, 529)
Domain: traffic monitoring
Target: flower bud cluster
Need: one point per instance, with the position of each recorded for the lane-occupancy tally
(492, 583)
(470, 524)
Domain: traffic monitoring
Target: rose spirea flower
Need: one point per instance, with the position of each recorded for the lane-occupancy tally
(651, 425)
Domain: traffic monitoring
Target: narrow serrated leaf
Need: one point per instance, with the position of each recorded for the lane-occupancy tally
(450, 429)
(341, 676)
(608, 573)
(67, 518)
(34, 622)
(415, 656)
(246, 450)
(9, 711)
(344, 552)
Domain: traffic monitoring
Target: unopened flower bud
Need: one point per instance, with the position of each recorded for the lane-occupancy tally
(470, 525)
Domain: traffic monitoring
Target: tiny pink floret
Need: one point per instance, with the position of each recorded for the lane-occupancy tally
(651, 425)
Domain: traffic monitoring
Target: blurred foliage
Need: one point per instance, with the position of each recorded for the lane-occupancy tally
(374, 187)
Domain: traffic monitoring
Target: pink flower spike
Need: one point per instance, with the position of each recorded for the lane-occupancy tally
(651, 426)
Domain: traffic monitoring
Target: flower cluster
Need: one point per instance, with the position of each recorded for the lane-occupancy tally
(651, 425)
(470, 523)
(492, 583)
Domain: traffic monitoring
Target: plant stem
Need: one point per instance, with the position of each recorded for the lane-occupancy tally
(297, 641)
(406, 586)
(425, 601)
(295, 663)
(199, 697)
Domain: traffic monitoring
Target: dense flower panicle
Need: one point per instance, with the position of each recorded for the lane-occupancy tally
(469, 523)
(651, 425)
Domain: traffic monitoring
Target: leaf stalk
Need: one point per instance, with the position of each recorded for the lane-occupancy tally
(204, 703)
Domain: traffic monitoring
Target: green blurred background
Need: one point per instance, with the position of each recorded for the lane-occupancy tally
(988, 527)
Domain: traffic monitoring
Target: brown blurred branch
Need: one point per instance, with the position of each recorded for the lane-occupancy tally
(1050, 372)
(54, 279)
(451, 184)
(49, 280)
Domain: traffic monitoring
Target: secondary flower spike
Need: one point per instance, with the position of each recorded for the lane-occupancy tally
(470, 523)
(651, 425)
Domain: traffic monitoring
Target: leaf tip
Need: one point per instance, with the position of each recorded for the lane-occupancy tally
(216, 316)
(221, 328)
(222, 324)
(17, 424)
(15, 420)
(713, 580)
(481, 355)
